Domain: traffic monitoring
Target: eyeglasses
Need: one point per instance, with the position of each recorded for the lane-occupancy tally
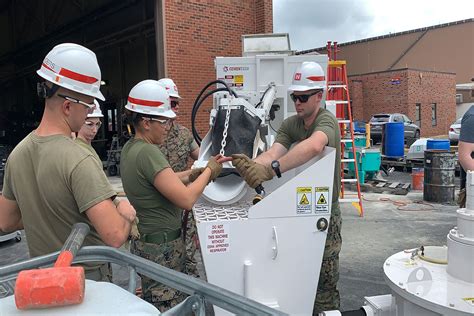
(87, 105)
(166, 122)
(91, 125)
(174, 104)
(303, 98)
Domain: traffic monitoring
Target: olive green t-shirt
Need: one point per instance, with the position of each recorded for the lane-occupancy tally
(54, 181)
(292, 130)
(91, 149)
(140, 162)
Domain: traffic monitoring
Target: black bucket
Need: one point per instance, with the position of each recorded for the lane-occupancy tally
(440, 166)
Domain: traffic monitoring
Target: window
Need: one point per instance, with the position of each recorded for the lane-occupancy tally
(433, 114)
(458, 98)
(418, 114)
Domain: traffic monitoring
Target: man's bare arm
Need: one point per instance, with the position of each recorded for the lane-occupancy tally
(10, 215)
(274, 153)
(465, 150)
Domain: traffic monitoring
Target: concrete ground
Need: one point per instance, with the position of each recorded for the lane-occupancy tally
(367, 241)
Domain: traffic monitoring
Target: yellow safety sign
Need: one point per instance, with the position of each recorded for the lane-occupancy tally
(304, 200)
(322, 200)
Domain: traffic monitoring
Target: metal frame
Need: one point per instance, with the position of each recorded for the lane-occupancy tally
(199, 290)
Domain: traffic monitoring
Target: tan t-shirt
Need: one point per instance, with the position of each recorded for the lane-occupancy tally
(292, 130)
(140, 162)
(54, 181)
(91, 149)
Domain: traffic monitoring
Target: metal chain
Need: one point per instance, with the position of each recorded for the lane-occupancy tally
(224, 133)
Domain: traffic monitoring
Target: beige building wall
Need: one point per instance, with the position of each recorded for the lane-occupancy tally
(445, 48)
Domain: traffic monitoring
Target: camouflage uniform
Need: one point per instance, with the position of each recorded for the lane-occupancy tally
(327, 295)
(177, 148)
(169, 254)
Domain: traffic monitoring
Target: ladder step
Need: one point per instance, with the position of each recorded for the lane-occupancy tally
(337, 86)
(348, 200)
(336, 63)
(344, 121)
(348, 160)
(335, 102)
(348, 180)
(346, 140)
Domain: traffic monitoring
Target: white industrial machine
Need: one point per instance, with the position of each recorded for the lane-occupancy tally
(431, 281)
(270, 252)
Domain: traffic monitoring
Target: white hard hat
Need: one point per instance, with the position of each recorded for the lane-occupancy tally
(150, 97)
(170, 86)
(308, 76)
(73, 67)
(97, 112)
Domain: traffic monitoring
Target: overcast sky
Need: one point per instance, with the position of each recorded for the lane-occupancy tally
(311, 23)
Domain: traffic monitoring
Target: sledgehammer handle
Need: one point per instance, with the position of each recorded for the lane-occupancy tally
(72, 245)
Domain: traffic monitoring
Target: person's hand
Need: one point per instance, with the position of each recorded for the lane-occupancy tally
(126, 210)
(242, 163)
(195, 173)
(215, 168)
(134, 233)
(257, 174)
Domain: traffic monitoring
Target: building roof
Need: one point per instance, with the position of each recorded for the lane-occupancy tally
(465, 86)
(389, 35)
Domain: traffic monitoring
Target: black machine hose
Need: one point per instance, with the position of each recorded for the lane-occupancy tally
(199, 100)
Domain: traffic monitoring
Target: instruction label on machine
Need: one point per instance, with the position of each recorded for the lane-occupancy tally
(218, 238)
(321, 200)
(304, 200)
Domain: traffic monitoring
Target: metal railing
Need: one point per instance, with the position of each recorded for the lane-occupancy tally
(199, 291)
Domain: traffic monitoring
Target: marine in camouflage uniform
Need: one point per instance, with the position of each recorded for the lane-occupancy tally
(177, 148)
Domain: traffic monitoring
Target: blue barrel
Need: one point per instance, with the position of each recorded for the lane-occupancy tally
(394, 139)
(438, 144)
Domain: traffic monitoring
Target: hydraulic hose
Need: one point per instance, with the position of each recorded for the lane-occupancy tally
(199, 100)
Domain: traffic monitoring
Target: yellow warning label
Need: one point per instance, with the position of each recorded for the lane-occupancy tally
(304, 200)
(239, 78)
(469, 299)
(322, 200)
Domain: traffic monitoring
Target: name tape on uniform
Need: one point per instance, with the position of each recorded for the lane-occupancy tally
(304, 200)
(321, 200)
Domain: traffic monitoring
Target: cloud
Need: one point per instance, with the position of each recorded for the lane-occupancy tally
(312, 23)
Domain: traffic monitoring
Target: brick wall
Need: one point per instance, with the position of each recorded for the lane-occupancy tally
(398, 91)
(196, 31)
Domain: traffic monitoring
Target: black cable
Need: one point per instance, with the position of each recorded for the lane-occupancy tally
(194, 114)
(198, 102)
(263, 95)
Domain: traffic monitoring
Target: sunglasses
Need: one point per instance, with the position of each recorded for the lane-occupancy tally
(91, 125)
(174, 104)
(87, 105)
(303, 98)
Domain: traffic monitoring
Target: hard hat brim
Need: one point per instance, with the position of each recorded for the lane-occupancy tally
(304, 88)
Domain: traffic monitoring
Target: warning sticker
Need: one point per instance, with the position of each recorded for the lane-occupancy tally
(218, 238)
(469, 300)
(321, 200)
(304, 200)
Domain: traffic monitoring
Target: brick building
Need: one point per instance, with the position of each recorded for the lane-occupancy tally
(429, 62)
(426, 97)
(196, 32)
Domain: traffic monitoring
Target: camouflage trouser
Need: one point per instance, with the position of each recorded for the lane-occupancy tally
(192, 241)
(171, 255)
(327, 296)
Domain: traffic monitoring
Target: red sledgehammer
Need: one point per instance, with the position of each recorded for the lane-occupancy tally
(57, 286)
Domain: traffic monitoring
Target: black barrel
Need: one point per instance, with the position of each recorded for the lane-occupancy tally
(439, 176)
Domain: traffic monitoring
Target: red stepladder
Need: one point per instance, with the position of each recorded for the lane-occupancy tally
(338, 97)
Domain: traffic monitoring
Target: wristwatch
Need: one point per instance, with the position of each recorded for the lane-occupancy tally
(276, 167)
